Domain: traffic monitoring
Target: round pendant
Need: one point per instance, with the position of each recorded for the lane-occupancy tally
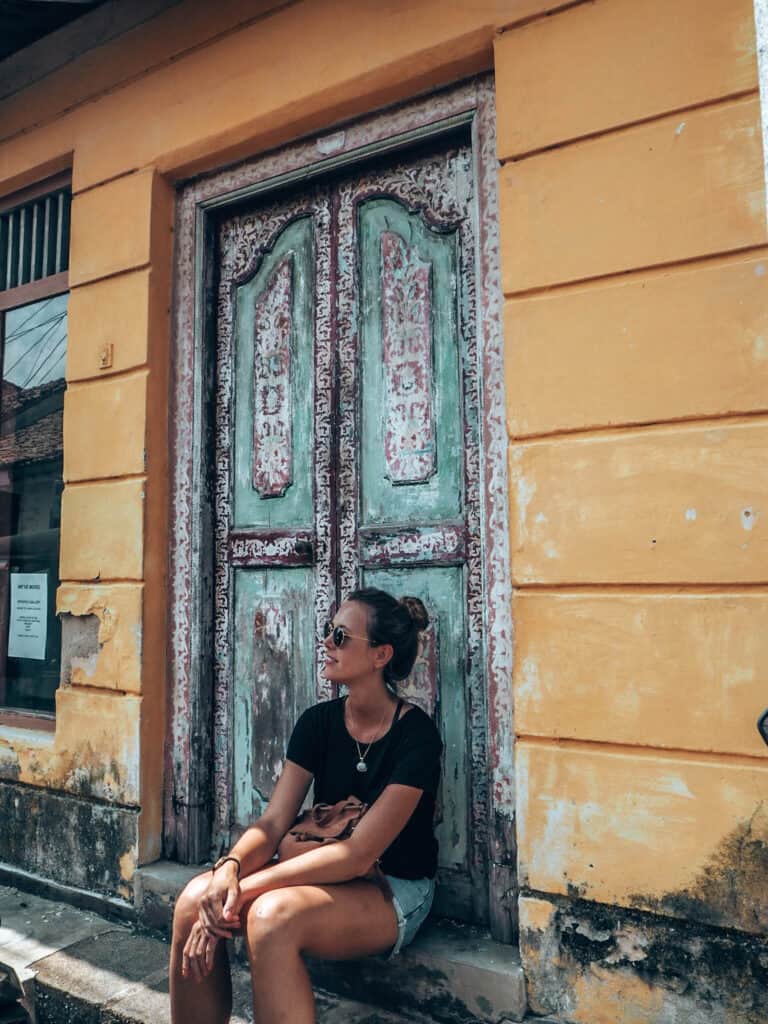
(362, 766)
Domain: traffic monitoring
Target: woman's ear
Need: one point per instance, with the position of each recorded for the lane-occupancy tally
(382, 655)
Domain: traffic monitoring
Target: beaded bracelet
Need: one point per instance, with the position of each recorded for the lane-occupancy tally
(223, 860)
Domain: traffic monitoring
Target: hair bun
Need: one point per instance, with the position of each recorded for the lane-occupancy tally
(416, 610)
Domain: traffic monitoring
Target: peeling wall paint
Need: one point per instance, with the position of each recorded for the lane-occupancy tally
(79, 647)
(114, 660)
(93, 753)
(95, 750)
(591, 964)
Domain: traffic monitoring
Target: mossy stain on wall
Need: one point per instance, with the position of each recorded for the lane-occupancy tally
(585, 956)
(732, 888)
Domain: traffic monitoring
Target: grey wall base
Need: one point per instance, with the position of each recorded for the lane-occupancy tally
(588, 954)
(67, 839)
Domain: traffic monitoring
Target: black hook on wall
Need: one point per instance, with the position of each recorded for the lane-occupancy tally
(762, 725)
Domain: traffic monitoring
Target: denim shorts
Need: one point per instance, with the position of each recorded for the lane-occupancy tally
(412, 899)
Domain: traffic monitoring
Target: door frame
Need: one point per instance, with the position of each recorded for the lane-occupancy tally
(190, 743)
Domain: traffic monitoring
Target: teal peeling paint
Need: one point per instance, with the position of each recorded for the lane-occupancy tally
(273, 684)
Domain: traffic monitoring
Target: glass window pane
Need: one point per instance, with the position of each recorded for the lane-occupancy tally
(31, 414)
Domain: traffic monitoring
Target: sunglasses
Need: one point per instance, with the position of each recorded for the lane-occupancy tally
(339, 635)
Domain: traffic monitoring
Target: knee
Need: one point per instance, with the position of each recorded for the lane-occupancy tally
(274, 915)
(188, 904)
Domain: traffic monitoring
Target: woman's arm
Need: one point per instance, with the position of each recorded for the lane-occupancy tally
(340, 862)
(253, 849)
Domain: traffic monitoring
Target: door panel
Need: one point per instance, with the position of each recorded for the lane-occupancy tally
(273, 488)
(410, 358)
(411, 444)
(274, 528)
(273, 669)
(273, 677)
(274, 386)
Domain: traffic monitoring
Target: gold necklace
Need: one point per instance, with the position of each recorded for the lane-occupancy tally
(361, 765)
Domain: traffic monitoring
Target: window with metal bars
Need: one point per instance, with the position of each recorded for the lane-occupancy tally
(34, 240)
(34, 263)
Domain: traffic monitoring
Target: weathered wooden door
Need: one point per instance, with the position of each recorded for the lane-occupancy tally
(347, 453)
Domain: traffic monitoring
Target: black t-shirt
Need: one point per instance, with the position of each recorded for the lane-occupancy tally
(408, 754)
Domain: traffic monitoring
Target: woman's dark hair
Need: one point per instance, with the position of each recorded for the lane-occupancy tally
(394, 622)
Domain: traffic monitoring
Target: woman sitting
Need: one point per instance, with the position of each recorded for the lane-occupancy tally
(331, 901)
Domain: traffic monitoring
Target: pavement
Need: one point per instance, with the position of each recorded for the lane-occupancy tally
(61, 965)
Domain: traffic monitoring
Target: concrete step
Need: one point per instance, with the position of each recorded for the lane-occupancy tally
(79, 968)
(453, 974)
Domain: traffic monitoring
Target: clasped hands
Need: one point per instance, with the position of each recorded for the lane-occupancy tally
(218, 918)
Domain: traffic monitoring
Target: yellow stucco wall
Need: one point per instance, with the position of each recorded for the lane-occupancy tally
(634, 259)
(634, 266)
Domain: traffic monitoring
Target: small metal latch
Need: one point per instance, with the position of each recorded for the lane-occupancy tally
(303, 548)
(762, 725)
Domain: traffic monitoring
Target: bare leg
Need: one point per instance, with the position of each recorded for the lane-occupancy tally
(197, 1002)
(334, 922)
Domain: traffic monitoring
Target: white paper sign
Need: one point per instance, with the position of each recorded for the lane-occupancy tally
(27, 630)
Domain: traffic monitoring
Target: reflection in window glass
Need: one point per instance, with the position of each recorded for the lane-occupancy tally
(35, 346)
(31, 412)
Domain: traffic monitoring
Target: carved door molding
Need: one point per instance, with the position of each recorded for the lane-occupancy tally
(199, 737)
